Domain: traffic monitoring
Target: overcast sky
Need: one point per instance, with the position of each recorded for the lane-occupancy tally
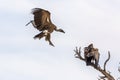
(84, 21)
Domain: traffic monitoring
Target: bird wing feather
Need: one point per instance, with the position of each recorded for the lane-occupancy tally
(41, 18)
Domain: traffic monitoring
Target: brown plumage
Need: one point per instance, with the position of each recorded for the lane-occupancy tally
(42, 22)
(91, 53)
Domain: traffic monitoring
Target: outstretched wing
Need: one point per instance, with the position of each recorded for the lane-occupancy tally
(41, 18)
(37, 12)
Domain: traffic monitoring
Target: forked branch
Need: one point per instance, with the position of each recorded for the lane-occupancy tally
(103, 71)
(78, 53)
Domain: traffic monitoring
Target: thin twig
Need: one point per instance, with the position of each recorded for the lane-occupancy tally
(78, 54)
(106, 61)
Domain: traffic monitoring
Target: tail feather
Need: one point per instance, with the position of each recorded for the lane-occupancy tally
(40, 35)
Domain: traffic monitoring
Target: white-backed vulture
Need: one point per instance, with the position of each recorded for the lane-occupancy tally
(43, 23)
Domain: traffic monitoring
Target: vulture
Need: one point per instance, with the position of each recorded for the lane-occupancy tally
(91, 53)
(43, 23)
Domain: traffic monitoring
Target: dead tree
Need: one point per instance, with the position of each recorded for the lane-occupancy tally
(106, 74)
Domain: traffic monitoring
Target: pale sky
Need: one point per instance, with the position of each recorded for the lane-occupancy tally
(84, 21)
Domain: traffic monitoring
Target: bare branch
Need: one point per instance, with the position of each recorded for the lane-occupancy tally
(118, 71)
(78, 53)
(119, 67)
(106, 61)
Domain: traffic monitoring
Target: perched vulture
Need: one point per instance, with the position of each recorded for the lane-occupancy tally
(91, 53)
(42, 22)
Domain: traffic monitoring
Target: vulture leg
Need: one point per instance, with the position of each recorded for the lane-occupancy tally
(88, 61)
(47, 38)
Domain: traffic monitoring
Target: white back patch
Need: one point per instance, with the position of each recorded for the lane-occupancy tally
(46, 32)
